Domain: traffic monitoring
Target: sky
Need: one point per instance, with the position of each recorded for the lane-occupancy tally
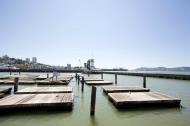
(116, 33)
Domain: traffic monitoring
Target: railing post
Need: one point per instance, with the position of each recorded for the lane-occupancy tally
(93, 101)
(16, 79)
(144, 81)
(115, 78)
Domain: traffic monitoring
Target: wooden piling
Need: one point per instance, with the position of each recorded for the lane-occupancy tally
(16, 79)
(115, 78)
(82, 87)
(93, 101)
(78, 79)
(144, 81)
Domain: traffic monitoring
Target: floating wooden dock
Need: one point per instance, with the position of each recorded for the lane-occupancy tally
(114, 89)
(98, 82)
(5, 90)
(143, 99)
(40, 82)
(43, 90)
(63, 101)
(91, 79)
(44, 82)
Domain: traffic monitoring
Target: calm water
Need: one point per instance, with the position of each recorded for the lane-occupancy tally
(106, 114)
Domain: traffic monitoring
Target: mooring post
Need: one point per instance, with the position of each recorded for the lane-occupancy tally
(93, 101)
(16, 84)
(144, 81)
(102, 75)
(115, 78)
(82, 87)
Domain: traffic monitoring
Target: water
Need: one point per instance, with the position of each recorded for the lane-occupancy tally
(106, 114)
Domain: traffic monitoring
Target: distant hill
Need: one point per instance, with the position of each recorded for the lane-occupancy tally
(181, 69)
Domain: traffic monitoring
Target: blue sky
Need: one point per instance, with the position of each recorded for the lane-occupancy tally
(117, 33)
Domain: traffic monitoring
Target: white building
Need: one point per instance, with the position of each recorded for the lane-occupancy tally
(28, 60)
(34, 60)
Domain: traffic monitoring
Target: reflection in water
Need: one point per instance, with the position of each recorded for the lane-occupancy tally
(93, 120)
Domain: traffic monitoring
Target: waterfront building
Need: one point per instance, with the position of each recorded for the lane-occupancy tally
(34, 60)
(90, 64)
(27, 60)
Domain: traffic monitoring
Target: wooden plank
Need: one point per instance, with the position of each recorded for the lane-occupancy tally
(24, 101)
(139, 99)
(5, 90)
(43, 90)
(114, 89)
(98, 82)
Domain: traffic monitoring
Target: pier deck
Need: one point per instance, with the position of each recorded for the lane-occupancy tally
(25, 101)
(139, 99)
(114, 89)
(98, 82)
(43, 90)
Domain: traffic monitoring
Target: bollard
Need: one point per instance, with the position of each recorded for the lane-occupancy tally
(88, 74)
(82, 87)
(115, 78)
(144, 81)
(93, 101)
(47, 75)
(102, 76)
(16, 84)
(19, 72)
